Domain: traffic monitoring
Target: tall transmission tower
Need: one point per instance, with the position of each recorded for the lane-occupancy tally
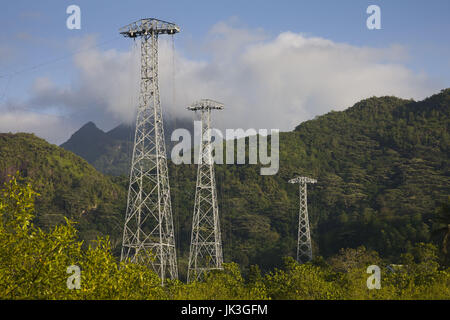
(304, 248)
(206, 244)
(148, 236)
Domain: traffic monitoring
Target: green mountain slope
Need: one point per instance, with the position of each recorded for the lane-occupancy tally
(68, 185)
(382, 168)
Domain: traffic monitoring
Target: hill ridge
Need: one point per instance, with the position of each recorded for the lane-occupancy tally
(381, 177)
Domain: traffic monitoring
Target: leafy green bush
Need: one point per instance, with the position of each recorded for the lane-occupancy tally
(34, 262)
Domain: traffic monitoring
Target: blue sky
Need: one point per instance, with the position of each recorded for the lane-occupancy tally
(35, 43)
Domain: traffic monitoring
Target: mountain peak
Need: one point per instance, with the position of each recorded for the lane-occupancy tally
(90, 124)
(122, 132)
(87, 141)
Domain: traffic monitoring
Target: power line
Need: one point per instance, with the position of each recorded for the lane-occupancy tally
(8, 82)
(43, 64)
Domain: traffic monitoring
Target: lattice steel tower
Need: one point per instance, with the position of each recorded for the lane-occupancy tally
(304, 248)
(148, 235)
(206, 244)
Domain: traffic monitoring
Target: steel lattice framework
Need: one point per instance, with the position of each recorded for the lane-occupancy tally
(304, 248)
(206, 244)
(148, 236)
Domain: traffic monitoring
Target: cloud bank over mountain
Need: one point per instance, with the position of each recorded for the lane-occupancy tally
(264, 82)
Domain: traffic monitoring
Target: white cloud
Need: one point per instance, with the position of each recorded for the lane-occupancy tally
(278, 83)
(52, 128)
(264, 82)
(105, 88)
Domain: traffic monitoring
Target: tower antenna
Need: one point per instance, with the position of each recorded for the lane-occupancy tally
(304, 248)
(148, 235)
(206, 242)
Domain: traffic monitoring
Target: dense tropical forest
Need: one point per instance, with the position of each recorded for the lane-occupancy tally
(34, 262)
(382, 196)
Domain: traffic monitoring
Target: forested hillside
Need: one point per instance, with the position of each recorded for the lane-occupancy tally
(34, 262)
(382, 168)
(68, 186)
